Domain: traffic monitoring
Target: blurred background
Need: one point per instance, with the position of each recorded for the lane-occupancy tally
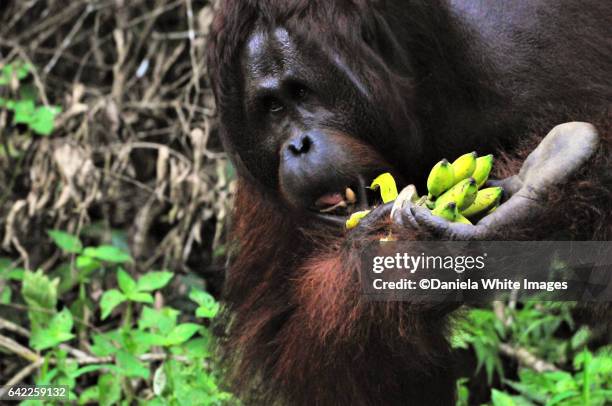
(132, 146)
(114, 201)
(108, 143)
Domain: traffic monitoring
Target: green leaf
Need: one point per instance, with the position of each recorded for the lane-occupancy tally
(501, 398)
(109, 389)
(131, 366)
(43, 120)
(59, 330)
(126, 283)
(93, 368)
(68, 278)
(23, 70)
(559, 397)
(582, 359)
(108, 253)
(40, 293)
(206, 312)
(90, 395)
(67, 242)
(5, 295)
(110, 299)
(141, 297)
(28, 92)
(24, 111)
(103, 345)
(580, 338)
(532, 389)
(8, 272)
(162, 320)
(459, 338)
(159, 402)
(147, 340)
(5, 264)
(208, 306)
(87, 264)
(181, 333)
(463, 393)
(602, 362)
(16, 274)
(196, 348)
(153, 280)
(62, 321)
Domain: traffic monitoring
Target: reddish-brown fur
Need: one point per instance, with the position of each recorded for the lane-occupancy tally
(307, 334)
(300, 333)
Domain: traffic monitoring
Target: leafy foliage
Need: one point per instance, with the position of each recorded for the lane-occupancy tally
(585, 379)
(483, 332)
(39, 119)
(590, 385)
(149, 355)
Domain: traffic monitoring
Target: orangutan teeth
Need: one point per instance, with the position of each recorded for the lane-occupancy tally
(350, 195)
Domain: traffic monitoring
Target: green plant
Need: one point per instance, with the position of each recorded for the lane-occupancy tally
(156, 355)
(535, 324)
(481, 330)
(7, 273)
(586, 378)
(588, 385)
(38, 118)
(463, 393)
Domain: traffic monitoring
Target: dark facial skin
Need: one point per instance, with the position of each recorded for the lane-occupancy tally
(311, 121)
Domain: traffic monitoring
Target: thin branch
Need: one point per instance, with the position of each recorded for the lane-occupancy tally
(21, 375)
(18, 349)
(22, 251)
(80, 357)
(522, 355)
(15, 328)
(176, 36)
(192, 49)
(66, 42)
(526, 358)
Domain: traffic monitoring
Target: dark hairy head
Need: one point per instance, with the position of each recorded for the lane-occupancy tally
(308, 113)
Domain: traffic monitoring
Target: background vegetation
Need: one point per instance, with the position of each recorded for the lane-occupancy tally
(114, 194)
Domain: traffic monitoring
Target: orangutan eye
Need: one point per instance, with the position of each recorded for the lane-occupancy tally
(300, 92)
